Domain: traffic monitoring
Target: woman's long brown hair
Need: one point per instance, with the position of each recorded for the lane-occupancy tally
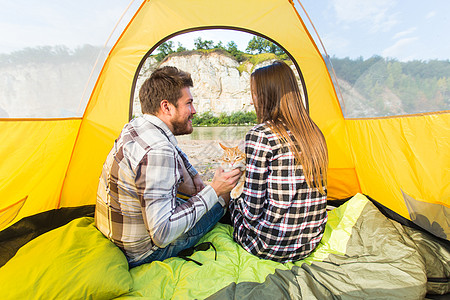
(278, 102)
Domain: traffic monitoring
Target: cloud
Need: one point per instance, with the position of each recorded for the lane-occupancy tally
(377, 14)
(27, 24)
(401, 49)
(337, 43)
(404, 33)
(430, 15)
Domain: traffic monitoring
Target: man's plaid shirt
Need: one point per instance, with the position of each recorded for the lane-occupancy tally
(277, 217)
(136, 206)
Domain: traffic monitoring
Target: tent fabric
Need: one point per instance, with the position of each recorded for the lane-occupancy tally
(55, 163)
(362, 254)
(403, 155)
(35, 156)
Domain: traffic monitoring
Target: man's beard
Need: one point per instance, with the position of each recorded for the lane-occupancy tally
(181, 127)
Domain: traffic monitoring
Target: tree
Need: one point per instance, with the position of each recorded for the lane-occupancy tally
(233, 50)
(180, 48)
(257, 44)
(205, 45)
(164, 49)
(275, 49)
(232, 47)
(261, 45)
(220, 45)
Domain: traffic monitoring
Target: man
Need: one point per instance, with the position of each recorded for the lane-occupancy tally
(137, 204)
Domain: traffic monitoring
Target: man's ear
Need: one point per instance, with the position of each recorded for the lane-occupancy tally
(165, 107)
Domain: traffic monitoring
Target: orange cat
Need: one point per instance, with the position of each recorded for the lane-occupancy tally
(234, 158)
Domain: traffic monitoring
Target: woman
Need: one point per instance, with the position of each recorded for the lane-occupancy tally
(281, 213)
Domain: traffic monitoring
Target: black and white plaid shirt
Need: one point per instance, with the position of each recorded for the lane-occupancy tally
(277, 217)
(136, 206)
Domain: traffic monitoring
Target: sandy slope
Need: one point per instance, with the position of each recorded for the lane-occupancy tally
(204, 155)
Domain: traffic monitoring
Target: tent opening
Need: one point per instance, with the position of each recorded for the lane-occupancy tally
(220, 61)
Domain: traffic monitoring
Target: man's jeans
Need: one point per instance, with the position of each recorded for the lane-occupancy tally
(188, 239)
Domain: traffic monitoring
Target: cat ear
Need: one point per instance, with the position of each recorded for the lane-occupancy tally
(223, 147)
(241, 145)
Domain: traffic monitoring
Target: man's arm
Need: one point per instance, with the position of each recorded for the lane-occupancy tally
(190, 168)
(157, 179)
(198, 183)
(196, 178)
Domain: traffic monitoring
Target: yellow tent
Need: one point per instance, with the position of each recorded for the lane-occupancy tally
(402, 162)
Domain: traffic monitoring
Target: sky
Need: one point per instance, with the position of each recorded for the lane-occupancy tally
(400, 29)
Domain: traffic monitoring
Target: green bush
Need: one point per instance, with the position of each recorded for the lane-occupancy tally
(236, 118)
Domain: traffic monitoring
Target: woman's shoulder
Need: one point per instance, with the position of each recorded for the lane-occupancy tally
(261, 128)
(262, 133)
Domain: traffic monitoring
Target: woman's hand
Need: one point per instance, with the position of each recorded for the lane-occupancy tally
(224, 182)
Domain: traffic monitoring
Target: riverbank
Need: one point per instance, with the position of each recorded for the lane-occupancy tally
(216, 133)
(205, 155)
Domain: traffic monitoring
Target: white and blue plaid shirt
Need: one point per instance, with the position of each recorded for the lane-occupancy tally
(137, 207)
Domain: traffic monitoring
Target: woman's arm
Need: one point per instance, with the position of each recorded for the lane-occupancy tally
(259, 153)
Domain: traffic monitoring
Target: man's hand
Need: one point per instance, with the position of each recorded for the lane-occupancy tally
(198, 183)
(224, 182)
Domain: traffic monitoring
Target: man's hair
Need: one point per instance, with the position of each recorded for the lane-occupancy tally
(165, 83)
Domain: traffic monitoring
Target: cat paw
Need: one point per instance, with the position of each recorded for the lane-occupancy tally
(235, 194)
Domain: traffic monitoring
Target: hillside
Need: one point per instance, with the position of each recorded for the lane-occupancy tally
(384, 87)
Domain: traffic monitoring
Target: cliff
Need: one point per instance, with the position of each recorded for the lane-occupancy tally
(221, 84)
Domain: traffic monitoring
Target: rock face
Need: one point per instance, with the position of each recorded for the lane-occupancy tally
(221, 84)
(44, 90)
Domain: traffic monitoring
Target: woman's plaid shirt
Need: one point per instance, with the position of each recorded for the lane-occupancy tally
(277, 217)
(137, 206)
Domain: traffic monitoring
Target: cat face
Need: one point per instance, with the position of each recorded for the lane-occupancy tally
(232, 158)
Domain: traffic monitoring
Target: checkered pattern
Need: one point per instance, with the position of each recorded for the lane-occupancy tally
(137, 207)
(277, 217)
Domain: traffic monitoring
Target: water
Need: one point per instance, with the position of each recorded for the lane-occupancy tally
(216, 133)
